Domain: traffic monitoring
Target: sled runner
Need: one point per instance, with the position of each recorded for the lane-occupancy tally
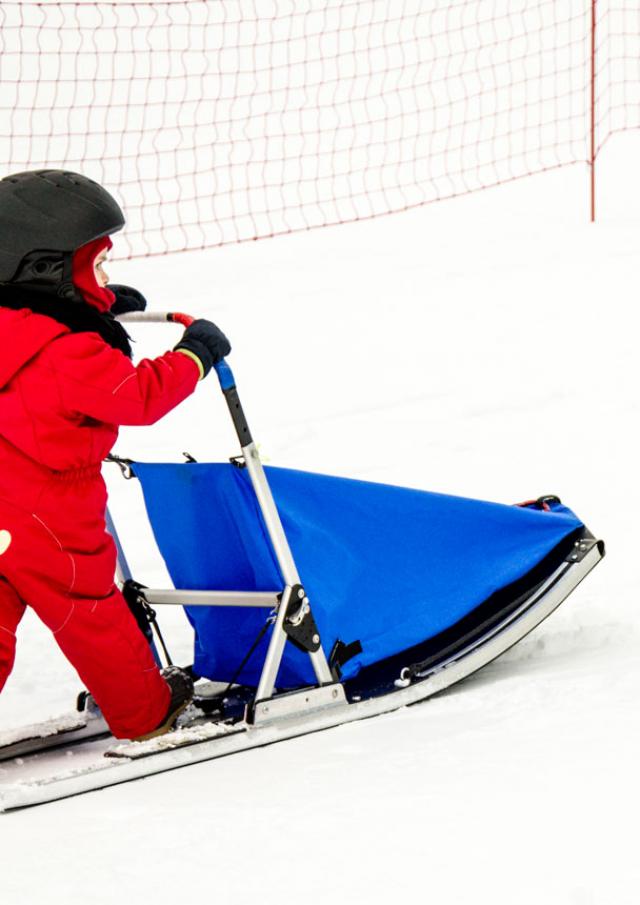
(315, 601)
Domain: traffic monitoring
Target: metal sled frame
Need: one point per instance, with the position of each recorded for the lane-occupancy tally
(292, 608)
(289, 603)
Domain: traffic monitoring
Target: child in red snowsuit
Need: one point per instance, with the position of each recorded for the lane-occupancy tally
(66, 383)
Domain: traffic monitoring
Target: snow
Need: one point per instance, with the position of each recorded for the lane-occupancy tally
(485, 347)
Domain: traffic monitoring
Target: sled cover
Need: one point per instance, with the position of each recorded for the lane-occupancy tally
(384, 565)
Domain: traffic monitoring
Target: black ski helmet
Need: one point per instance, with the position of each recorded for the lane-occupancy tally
(51, 210)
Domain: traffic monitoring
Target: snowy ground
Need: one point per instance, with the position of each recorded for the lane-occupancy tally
(486, 347)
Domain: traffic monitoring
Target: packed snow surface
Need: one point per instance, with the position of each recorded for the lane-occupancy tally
(485, 347)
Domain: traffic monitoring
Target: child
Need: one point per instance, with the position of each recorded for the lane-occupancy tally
(66, 384)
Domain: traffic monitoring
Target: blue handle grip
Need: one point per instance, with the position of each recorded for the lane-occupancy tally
(225, 375)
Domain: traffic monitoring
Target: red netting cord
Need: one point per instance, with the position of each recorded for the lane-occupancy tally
(233, 120)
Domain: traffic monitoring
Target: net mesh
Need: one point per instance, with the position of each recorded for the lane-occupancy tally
(218, 122)
(617, 68)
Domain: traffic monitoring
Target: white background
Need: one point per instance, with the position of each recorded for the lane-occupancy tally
(485, 347)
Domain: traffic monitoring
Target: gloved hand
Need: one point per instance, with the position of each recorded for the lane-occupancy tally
(127, 300)
(206, 342)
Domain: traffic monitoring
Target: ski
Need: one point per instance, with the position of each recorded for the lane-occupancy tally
(183, 737)
(73, 727)
(65, 730)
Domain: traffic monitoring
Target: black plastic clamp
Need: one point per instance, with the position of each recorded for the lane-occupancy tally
(299, 623)
(125, 465)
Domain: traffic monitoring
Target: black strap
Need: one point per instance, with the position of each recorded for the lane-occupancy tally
(248, 656)
(341, 653)
(144, 615)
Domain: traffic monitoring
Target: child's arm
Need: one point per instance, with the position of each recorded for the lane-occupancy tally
(100, 382)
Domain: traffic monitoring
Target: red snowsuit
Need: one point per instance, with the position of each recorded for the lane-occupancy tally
(62, 397)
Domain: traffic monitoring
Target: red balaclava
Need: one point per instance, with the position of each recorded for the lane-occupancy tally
(83, 274)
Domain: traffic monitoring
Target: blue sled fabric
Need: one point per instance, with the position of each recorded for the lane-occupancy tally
(386, 565)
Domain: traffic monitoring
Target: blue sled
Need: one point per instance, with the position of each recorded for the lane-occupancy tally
(402, 583)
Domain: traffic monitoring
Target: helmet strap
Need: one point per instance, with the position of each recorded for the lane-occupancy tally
(66, 289)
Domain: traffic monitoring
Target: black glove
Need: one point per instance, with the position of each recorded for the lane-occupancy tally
(127, 299)
(207, 342)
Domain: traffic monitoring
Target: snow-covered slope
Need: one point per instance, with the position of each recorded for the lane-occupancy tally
(486, 347)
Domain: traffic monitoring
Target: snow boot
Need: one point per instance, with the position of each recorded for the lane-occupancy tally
(181, 686)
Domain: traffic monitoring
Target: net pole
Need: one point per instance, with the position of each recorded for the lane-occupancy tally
(592, 129)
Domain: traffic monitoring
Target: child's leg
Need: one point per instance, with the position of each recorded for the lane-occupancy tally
(11, 610)
(74, 595)
(102, 641)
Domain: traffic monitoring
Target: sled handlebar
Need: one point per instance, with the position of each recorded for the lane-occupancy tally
(224, 372)
(156, 317)
(225, 376)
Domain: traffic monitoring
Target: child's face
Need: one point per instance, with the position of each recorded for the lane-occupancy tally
(101, 276)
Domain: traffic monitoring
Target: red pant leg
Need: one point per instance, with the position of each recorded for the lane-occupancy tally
(68, 581)
(101, 639)
(11, 610)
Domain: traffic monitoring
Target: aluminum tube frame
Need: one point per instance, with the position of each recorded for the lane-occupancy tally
(289, 573)
(280, 546)
(175, 597)
(123, 573)
(270, 515)
(275, 651)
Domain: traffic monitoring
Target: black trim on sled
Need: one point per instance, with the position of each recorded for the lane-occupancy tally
(379, 678)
